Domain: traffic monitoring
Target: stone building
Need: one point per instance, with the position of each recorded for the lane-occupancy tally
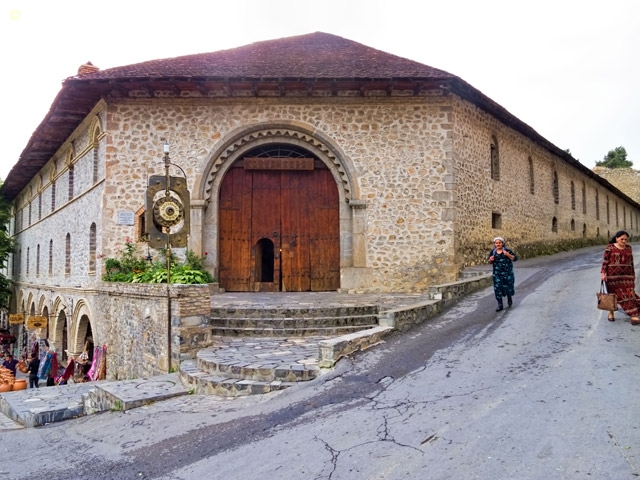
(312, 162)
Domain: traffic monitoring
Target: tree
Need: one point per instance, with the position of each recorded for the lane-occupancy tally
(616, 158)
(7, 247)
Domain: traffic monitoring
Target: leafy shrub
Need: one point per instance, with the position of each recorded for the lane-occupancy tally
(132, 269)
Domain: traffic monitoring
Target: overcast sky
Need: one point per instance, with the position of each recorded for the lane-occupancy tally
(570, 69)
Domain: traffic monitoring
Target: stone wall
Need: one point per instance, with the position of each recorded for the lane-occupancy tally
(523, 196)
(131, 320)
(625, 179)
(395, 150)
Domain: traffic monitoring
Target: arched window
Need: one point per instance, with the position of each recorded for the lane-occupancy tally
(40, 206)
(50, 258)
(53, 195)
(532, 188)
(584, 230)
(92, 248)
(556, 188)
(96, 131)
(71, 180)
(573, 225)
(597, 206)
(38, 260)
(608, 212)
(573, 196)
(584, 198)
(67, 256)
(554, 225)
(495, 159)
(28, 252)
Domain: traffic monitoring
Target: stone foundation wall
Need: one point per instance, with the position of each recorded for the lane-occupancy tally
(131, 320)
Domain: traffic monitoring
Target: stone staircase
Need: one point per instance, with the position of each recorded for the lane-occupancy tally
(259, 350)
(288, 321)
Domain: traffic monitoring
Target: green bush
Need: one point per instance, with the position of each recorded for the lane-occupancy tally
(131, 269)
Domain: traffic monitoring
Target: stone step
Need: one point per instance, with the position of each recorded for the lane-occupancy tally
(293, 322)
(261, 367)
(261, 312)
(302, 331)
(205, 383)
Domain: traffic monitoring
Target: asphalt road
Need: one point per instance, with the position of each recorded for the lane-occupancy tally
(548, 389)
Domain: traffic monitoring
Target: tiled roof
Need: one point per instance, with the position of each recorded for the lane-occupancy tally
(317, 60)
(316, 55)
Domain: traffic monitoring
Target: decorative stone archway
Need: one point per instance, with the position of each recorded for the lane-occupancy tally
(205, 198)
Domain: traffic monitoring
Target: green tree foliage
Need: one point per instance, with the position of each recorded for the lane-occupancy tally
(616, 158)
(7, 247)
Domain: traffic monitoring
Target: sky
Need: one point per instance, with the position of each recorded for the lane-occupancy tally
(570, 69)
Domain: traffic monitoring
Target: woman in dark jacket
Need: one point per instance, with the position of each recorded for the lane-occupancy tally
(32, 370)
(503, 278)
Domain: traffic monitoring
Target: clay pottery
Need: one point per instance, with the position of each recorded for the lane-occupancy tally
(5, 387)
(20, 384)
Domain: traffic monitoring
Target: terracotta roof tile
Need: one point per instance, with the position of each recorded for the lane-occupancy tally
(317, 58)
(316, 55)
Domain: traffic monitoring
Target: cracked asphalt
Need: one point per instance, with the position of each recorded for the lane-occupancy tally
(548, 389)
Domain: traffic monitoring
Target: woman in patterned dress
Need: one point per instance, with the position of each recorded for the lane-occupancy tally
(619, 274)
(503, 278)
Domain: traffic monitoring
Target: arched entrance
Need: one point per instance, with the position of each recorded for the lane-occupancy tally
(279, 227)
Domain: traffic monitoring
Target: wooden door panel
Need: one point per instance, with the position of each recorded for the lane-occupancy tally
(295, 231)
(297, 211)
(265, 220)
(234, 231)
(324, 232)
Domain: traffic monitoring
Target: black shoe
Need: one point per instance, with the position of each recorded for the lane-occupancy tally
(500, 307)
(509, 301)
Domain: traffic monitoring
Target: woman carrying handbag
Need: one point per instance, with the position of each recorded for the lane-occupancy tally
(620, 276)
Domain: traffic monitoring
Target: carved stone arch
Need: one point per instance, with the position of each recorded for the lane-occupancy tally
(29, 303)
(42, 303)
(205, 208)
(245, 139)
(95, 131)
(69, 156)
(81, 322)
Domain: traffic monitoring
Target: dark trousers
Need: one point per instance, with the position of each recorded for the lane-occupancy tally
(499, 298)
(33, 381)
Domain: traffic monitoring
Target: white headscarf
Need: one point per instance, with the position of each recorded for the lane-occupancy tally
(501, 239)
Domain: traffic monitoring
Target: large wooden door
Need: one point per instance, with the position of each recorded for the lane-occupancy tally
(286, 217)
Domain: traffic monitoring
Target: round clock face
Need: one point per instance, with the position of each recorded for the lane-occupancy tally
(168, 211)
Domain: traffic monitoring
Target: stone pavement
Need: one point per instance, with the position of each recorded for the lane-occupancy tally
(37, 407)
(238, 365)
